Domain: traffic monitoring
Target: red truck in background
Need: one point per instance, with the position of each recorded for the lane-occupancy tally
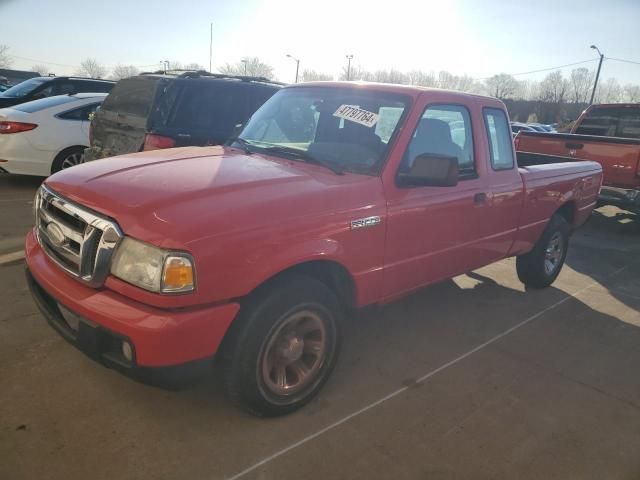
(334, 196)
(608, 134)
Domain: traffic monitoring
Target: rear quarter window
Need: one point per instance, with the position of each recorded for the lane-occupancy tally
(217, 107)
(621, 122)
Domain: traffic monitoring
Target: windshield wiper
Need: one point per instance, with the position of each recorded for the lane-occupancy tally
(245, 144)
(294, 152)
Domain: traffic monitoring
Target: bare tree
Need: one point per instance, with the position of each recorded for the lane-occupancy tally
(124, 71)
(423, 79)
(195, 66)
(390, 76)
(581, 81)
(356, 73)
(609, 91)
(5, 59)
(90, 67)
(466, 83)
(632, 93)
(554, 88)
(251, 66)
(313, 76)
(501, 85)
(41, 69)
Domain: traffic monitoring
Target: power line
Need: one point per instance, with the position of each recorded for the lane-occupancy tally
(547, 69)
(622, 60)
(77, 66)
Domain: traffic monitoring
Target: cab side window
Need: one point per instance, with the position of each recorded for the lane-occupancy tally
(444, 130)
(500, 139)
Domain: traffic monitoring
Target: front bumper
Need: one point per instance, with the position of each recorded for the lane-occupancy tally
(625, 198)
(172, 348)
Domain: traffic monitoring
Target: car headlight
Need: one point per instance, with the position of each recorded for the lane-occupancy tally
(153, 268)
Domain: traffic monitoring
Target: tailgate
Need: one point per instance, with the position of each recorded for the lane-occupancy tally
(120, 125)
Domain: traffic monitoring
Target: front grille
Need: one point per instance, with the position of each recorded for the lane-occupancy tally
(78, 240)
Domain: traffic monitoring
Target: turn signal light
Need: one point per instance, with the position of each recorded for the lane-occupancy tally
(16, 127)
(177, 275)
(156, 142)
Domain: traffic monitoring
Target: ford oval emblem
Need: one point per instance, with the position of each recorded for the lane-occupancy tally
(55, 234)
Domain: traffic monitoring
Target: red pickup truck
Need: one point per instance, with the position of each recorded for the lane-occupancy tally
(608, 134)
(334, 196)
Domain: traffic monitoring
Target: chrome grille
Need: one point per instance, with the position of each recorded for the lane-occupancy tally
(78, 240)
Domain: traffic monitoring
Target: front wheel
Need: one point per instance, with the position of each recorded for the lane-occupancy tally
(541, 266)
(283, 346)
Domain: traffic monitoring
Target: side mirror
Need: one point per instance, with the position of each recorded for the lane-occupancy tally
(433, 170)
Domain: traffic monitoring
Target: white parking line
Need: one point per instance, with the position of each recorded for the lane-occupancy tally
(428, 375)
(11, 257)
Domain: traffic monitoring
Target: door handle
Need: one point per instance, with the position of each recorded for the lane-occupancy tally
(574, 146)
(480, 198)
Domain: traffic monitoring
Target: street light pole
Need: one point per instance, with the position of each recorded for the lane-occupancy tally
(349, 58)
(244, 60)
(595, 84)
(297, 64)
(210, 46)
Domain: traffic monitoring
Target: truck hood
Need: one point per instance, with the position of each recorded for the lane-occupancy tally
(174, 197)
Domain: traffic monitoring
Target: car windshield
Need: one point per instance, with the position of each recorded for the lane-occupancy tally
(24, 88)
(348, 128)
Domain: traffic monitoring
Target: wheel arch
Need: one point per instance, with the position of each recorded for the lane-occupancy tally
(568, 211)
(330, 272)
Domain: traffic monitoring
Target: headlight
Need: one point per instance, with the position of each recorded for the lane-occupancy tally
(152, 268)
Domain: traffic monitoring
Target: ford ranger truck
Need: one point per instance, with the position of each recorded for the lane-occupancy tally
(607, 134)
(334, 196)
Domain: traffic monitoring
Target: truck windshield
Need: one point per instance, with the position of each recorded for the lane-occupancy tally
(350, 128)
(24, 88)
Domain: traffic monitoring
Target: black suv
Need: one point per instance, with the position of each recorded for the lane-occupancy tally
(41, 87)
(157, 110)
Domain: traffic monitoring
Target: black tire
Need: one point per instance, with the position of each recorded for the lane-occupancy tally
(62, 159)
(539, 268)
(254, 349)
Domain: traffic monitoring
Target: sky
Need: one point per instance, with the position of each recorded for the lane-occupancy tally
(475, 37)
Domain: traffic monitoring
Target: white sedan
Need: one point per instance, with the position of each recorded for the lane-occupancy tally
(44, 136)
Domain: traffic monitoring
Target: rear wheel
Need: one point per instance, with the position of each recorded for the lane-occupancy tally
(68, 158)
(283, 346)
(541, 266)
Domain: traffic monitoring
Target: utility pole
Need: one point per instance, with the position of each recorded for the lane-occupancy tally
(349, 58)
(210, 46)
(595, 84)
(297, 65)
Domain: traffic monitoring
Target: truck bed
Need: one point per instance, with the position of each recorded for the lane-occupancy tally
(619, 157)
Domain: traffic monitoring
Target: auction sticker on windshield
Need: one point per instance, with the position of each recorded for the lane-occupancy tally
(357, 115)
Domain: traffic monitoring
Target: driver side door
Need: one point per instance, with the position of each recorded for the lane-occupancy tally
(431, 230)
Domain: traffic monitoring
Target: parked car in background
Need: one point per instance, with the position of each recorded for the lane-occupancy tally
(47, 135)
(517, 127)
(14, 77)
(152, 111)
(608, 134)
(540, 127)
(42, 87)
(334, 196)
